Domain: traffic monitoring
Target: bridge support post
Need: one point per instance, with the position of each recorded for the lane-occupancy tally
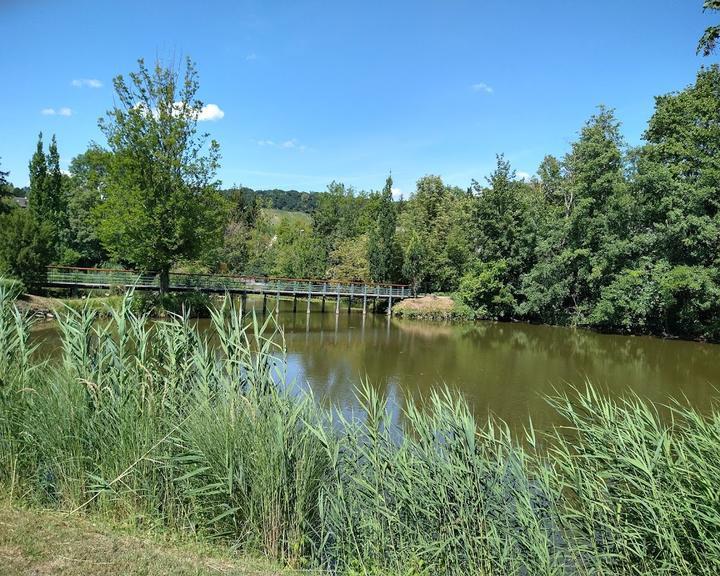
(308, 303)
(294, 303)
(364, 304)
(322, 309)
(389, 310)
(337, 304)
(264, 303)
(243, 303)
(349, 303)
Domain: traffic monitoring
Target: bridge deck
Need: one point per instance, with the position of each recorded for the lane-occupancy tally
(67, 277)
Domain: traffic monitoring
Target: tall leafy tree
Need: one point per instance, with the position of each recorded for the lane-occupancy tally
(161, 189)
(88, 180)
(384, 255)
(38, 202)
(708, 41)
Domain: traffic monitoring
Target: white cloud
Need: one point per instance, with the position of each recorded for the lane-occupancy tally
(64, 111)
(482, 87)
(87, 83)
(210, 112)
(291, 144)
(251, 56)
(524, 176)
(397, 194)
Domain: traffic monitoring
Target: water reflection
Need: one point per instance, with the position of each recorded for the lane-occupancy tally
(502, 368)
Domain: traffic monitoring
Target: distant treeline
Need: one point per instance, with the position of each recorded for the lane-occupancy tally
(290, 200)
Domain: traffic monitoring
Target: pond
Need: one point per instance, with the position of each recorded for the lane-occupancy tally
(503, 368)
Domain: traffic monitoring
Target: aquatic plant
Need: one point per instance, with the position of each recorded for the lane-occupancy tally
(200, 433)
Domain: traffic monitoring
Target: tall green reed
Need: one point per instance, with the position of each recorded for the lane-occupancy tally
(198, 432)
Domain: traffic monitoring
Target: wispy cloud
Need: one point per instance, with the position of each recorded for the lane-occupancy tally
(482, 87)
(397, 194)
(524, 176)
(56, 111)
(251, 56)
(210, 112)
(87, 83)
(291, 144)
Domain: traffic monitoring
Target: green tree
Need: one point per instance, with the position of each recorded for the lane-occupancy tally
(708, 41)
(38, 202)
(26, 247)
(88, 180)
(349, 260)
(6, 201)
(414, 262)
(384, 255)
(299, 253)
(161, 190)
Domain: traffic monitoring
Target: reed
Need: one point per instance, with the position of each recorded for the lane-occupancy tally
(199, 433)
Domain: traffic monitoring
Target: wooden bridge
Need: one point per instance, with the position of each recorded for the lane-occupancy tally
(88, 278)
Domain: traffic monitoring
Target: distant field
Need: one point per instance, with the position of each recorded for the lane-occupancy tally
(276, 216)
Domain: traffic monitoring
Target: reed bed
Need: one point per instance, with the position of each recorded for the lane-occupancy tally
(198, 433)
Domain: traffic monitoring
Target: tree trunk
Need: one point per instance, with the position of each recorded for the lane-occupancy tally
(164, 281)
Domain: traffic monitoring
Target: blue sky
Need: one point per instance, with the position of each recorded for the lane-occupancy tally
(315, 91)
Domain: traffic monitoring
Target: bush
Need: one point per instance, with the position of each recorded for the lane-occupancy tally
(13, 287)
(485, 290)
(26, 247)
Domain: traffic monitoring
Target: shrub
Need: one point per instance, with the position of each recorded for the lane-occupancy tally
(26, 247)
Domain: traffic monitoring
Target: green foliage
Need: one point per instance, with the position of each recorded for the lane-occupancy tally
(47, 201)
(88, 178)
(298, 252)
(209, 441)
(6, 203)
(26, 247)
(414, 261)
(192, 304)
(708, 41)
(349, 260)
(486, 290)
(161, 196)
(384, 255)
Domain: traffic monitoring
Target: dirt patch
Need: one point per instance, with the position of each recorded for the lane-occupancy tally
(428, 303)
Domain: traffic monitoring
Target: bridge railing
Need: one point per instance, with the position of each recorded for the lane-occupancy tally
(105, 277)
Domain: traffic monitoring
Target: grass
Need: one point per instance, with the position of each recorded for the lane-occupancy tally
(43, 542)
(197, 436)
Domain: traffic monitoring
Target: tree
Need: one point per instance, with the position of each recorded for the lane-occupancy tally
(47, 200)
(349, 260)
(384, 256)
(26, 247)
(88, 180)
(161, 190)
(413, 262)
(6, 203)
(38, 202)
(708, 41)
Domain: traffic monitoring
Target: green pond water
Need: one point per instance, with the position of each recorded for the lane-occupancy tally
(502, 368)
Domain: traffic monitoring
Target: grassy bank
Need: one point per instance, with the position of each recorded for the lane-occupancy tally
(41, 542)
(192, 434)
(433, 307)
